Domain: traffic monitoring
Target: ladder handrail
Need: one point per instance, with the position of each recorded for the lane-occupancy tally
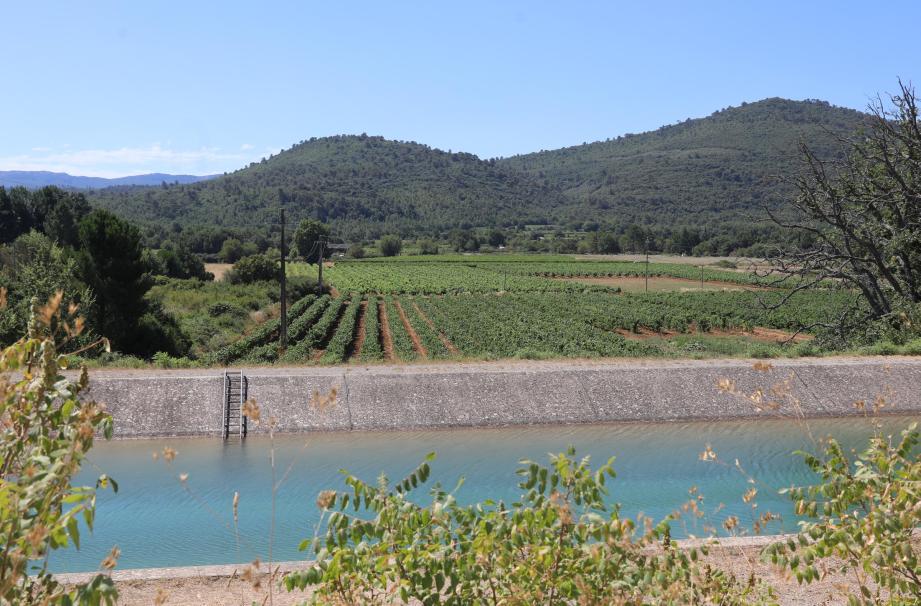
(225, 426)
(241, 394)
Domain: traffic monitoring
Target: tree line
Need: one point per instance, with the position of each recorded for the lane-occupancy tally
(51, 240)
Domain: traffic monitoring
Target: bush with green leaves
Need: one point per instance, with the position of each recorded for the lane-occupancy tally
(356, 251)
(558, 544)
(254, 268)
(177, 261)
(390, 246)
(860, 520)
(309, 239)
(35, 266)
(427, 247)
(46, 431)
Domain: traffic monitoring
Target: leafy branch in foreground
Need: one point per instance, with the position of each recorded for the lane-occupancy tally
(560, 544)
(46, 431)
(860, 521)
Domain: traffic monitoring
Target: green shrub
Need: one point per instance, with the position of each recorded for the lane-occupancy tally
(356, 251)
(428, 247)
(559, 543)
(160, 332)
(254, 268)
(48, 429)
(534, 354)
(180, 262)
(912, 348)
(300, 286)
(161, 359)
(391, 246)
(883, 348)
(762, 351)
(221, 308)
(806, 349)
(862, 516)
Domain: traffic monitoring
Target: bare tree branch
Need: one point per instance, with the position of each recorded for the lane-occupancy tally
(860, 221)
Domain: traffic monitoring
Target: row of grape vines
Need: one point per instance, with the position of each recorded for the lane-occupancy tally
(595, 324)
(325, 329)
(519, 275)
(602, 269)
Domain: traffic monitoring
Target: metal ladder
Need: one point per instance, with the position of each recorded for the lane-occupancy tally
(235, 387)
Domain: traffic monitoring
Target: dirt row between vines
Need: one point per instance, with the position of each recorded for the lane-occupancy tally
(360, 330)
(417, 342)
(759, 334)
(447, 343)
(386, 337)
(325, 341)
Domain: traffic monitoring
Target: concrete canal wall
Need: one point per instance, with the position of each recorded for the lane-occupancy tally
(177, 403)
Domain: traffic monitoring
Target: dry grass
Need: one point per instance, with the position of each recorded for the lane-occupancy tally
(218, 269)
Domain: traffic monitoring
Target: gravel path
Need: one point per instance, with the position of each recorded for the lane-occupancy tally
(196, 585)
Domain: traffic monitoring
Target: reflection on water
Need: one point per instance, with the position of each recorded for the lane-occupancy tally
(156, 522)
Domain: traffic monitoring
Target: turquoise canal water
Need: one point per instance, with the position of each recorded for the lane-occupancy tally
(156, 522)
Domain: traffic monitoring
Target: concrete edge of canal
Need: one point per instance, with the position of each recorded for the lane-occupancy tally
(184, 403)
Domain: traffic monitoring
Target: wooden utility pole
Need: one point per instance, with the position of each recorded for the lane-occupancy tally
(320, 264)
(647, 264)
(283, 331)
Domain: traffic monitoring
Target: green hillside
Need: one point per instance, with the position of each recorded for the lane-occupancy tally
(726, 164)
(356, 183)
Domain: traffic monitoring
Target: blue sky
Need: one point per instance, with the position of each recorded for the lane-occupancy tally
(116, 88)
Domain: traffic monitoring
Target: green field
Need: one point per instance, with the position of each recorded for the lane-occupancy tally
(454, 274)
(500, 306)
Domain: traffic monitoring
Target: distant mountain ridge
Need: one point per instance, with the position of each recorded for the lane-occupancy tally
(707, 172)
(40, 178)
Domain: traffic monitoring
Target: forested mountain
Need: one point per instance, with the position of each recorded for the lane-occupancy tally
(725, 165)
(34, 179)
(361, 185)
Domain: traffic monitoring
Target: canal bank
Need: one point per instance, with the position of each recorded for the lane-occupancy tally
(195, 585)
(147, 403)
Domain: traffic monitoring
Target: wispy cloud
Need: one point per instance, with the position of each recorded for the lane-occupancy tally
(133, 160)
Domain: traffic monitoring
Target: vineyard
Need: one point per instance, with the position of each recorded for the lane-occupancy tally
(496, 307)
(484, 273)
